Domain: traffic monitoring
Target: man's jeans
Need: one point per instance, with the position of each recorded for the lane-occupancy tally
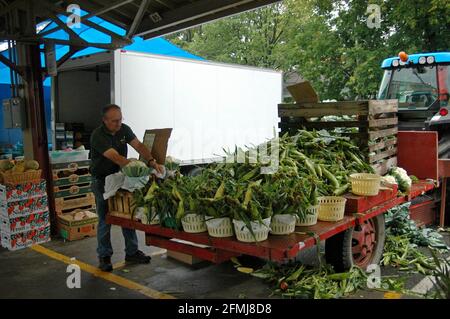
(104, 248)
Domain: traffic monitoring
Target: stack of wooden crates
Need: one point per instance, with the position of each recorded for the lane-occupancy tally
(374, 124)
(72, 189)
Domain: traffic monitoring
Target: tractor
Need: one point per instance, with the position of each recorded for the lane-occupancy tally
(421, 83)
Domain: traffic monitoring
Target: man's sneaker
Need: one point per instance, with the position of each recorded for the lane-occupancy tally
(105, 264)
(139, 257)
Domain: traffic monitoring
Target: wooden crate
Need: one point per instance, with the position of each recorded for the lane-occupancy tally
(68, 204)
(67, 177)
(72, 190)
(376, 123)
(122, 205)
(71, 167)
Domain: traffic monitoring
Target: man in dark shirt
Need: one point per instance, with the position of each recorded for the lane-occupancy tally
(108, 155)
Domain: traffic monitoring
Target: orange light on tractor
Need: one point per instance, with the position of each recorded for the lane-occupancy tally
(403, 56)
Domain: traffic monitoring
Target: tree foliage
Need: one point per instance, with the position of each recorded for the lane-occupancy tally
(326, 42)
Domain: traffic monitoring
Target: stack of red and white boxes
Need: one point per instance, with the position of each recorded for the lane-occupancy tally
(24, 215)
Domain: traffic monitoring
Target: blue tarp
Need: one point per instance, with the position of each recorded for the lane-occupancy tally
(153, 46)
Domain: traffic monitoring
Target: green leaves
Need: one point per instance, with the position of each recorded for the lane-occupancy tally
(326, 42)
(314, 165)
(299, 281)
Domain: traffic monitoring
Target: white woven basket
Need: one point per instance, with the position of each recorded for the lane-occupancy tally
(365, 184)
(219, 227)
(261, 231)
(312, 212)
(282, 224)
(141, 215)
(331, 208)
(193, 223)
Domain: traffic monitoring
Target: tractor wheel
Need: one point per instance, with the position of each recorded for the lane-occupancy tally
(444, 145)
(359, 246)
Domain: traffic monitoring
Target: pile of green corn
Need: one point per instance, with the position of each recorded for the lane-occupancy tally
(310, 164)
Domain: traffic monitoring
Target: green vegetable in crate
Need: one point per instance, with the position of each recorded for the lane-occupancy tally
(136, 169)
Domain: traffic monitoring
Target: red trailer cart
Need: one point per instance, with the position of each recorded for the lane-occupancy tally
(357, 239)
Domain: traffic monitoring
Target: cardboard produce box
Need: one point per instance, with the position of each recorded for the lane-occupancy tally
(78, 225)
(26, 239)
(23, 207)
(303, 92)
(157, 141)
(23, 191)
(25, 223)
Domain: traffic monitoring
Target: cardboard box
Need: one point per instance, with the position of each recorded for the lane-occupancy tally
(24, 207)
(9, 193)
(303, 92)
(184, 258)
(25, 223)
(157, 141)
(26, 239)
(77, 225)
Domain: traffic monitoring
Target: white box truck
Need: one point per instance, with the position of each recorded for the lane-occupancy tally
(210, 106)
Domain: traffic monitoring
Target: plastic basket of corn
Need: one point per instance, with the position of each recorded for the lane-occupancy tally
(282, 224)
(260, 231)
(310, 219)
(331, 208)
(219, 227)
(193, 223)
(364, 184)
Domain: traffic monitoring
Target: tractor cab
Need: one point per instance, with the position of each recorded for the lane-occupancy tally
(421, 83)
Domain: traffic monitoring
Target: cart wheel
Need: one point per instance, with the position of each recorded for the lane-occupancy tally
(361, 245)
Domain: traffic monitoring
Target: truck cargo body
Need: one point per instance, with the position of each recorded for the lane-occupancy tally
(210, 106)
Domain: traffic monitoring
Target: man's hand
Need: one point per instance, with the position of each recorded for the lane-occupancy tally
(156, 166)
(145, 153)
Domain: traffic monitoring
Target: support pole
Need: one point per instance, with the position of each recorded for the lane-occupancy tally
(34, 100)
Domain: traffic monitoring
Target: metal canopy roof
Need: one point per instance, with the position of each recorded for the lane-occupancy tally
(147, 18)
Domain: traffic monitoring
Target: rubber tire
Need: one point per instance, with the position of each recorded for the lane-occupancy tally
(338, 249)
(444, 145)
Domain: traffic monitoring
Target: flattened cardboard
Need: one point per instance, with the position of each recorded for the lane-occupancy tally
(303, 92)
(157, 141)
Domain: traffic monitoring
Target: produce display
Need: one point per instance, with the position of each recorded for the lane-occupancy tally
(403, 239)
(401, 178)
(295, 280)
(299, 281)
(311, 164)
(20, 166)
(136, 169)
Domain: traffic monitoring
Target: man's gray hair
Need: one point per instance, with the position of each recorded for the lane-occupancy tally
(108, 107)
